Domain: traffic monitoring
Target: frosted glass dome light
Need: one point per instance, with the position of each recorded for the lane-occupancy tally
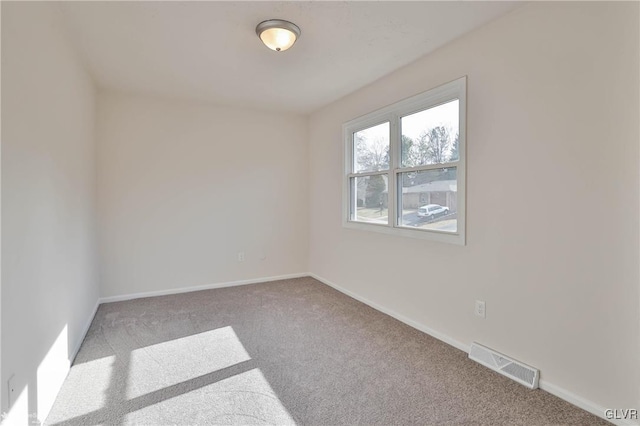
(277, 34)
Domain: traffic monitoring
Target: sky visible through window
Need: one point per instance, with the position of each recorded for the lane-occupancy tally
(413, 125)
(429, 197)
(408, 166)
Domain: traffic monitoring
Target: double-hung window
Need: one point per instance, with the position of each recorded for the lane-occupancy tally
(405, 167)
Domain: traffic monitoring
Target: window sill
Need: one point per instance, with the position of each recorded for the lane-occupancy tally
(431, 235)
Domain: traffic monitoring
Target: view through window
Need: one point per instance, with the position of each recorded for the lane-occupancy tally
(405, 166)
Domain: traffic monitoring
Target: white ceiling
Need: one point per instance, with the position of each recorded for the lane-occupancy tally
(209, 50)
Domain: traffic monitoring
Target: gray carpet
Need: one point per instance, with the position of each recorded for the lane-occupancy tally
(292, 351)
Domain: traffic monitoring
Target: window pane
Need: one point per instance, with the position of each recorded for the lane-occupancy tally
(369, 199)
(429, 199)
(371, 149)
(430, 136)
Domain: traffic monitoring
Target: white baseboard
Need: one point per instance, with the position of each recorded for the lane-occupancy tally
(72, 356)
(561, 393)
(85, 330)
(399, 317)
(586, 405)
(132, 296)
(553, 389)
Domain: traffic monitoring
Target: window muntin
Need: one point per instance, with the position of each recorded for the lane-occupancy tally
(405, 167)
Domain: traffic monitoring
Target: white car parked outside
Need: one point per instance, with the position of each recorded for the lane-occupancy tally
(431, 211)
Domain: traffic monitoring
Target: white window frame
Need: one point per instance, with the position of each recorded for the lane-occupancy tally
(456, 89)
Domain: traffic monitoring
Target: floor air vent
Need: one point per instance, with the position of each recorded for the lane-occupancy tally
(504, 365)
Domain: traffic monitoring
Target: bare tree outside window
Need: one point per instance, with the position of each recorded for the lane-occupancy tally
(413, 179)
(371, 148)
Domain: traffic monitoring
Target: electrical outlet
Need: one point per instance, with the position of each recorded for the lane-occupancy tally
(480, 310)
(12, 390)
(241, 256)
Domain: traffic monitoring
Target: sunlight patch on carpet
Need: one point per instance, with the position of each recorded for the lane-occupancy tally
(158, 366)
(245, 398)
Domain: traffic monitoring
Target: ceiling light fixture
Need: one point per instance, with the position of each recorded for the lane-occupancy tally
(277, 34)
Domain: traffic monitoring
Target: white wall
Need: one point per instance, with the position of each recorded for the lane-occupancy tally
(185, 186)
(49, 279)
(553, 185)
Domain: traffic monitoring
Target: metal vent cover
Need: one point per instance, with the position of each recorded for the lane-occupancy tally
(521, 373)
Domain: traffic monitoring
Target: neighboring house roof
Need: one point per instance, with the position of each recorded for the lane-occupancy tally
(436, 186)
